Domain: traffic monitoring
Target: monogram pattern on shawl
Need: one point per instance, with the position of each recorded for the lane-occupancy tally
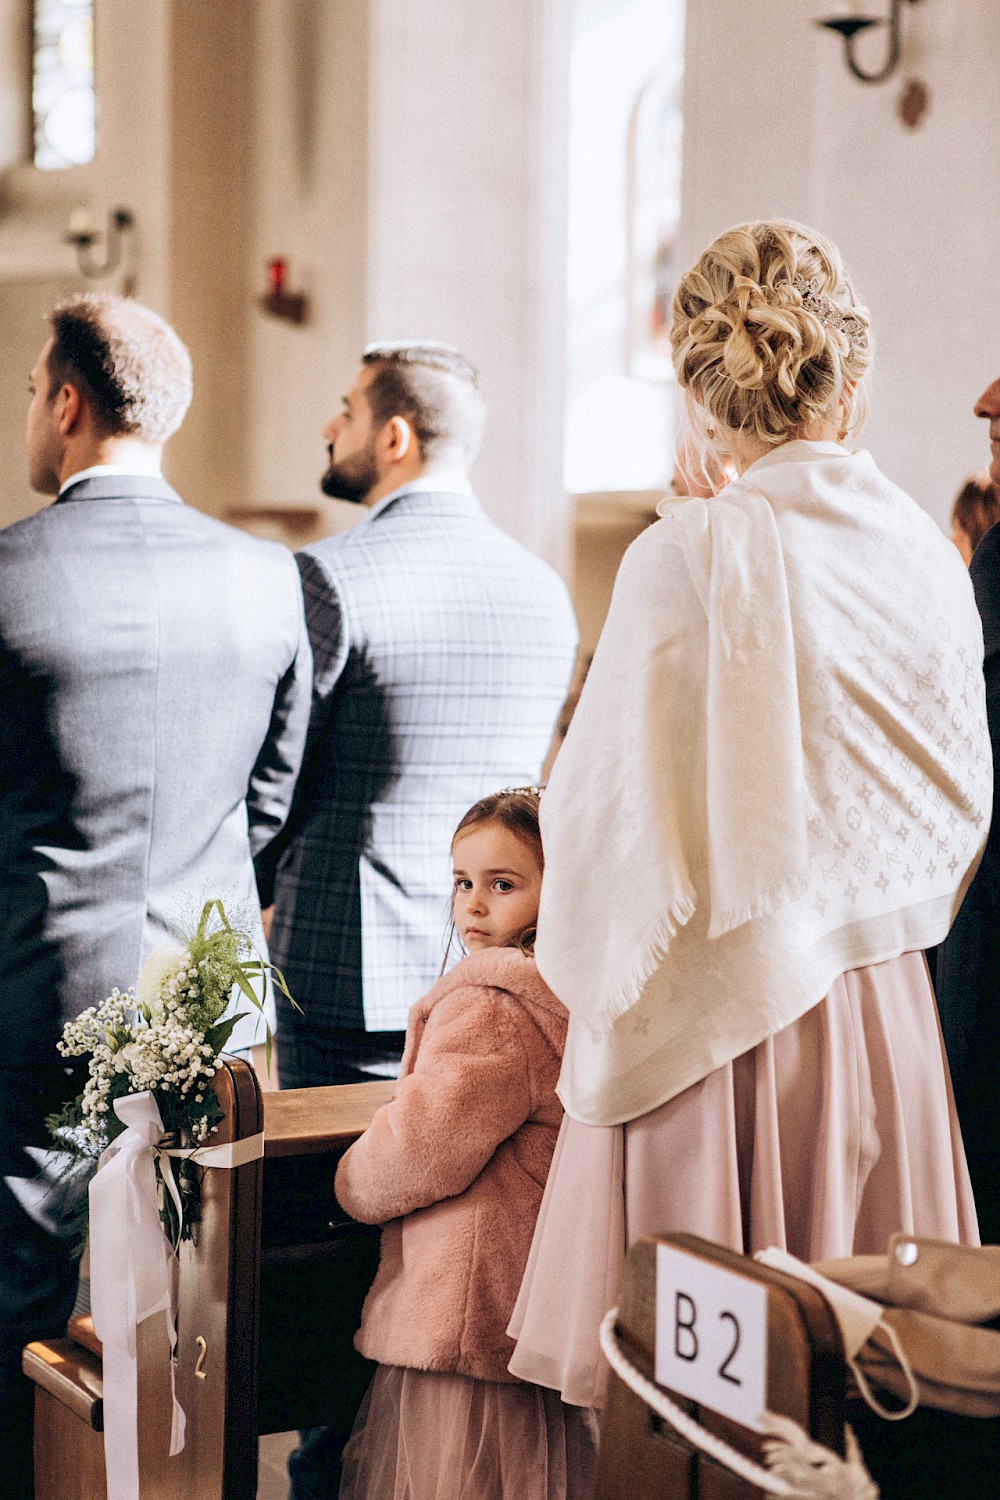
(879, 817)
(882, 817)
(894, 723)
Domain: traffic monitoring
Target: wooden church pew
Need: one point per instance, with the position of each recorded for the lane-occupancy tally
(269, 1296)
(642, 1457)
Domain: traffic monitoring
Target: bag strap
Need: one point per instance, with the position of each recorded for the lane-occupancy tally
(798, 1468)
(904, 1364)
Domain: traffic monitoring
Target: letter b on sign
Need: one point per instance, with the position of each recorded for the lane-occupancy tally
(711, 1335)
(685, 1338)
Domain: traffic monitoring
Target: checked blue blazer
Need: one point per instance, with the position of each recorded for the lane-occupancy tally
(442, 650)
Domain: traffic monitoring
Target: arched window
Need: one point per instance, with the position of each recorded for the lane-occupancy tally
(624, 210)
(63, 100)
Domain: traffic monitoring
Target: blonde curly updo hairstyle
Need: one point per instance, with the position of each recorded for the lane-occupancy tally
(769, 337)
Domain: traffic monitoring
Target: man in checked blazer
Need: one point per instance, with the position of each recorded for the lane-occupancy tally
(443, 651)
(155, 682)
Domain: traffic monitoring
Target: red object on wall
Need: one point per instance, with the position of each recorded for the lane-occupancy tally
(292, 306)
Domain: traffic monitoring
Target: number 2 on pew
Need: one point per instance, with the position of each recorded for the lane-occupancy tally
(711, 1335)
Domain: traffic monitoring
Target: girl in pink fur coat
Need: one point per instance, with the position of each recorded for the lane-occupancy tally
(454, 1168)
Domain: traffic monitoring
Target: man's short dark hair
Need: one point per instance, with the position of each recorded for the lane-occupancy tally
(436, 390)
(127, 361)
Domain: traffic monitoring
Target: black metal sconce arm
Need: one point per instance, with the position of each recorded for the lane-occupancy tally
(120, 222)
(849, 26)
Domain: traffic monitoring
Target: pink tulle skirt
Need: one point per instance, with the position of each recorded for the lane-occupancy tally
(824, 1140)
(424, 1435)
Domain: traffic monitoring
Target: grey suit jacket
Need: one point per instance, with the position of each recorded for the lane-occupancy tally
(443, 651)
(154, 695)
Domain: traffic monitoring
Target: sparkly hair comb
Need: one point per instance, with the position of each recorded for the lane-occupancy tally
(824, 307)
(530, 791)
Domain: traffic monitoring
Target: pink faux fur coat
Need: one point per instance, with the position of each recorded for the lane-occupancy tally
(454, 1167)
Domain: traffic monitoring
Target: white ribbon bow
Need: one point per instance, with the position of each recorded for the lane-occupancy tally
(133, 1276)
(134, 1273)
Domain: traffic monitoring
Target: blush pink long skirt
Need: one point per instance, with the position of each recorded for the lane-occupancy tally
(429, 1435)
(824, 1140)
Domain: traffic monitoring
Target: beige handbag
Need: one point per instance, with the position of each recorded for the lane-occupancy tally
(942, 1310)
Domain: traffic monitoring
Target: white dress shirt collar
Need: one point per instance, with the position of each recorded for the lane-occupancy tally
(103, 471)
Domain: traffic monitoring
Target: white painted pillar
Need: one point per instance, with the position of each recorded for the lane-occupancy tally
(468, 125)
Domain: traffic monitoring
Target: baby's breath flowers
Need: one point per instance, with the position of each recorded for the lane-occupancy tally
(164, 1036)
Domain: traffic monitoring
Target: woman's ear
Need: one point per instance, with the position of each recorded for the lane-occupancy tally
(844, 409)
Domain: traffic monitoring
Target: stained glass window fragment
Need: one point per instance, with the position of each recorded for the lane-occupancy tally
(62, 93)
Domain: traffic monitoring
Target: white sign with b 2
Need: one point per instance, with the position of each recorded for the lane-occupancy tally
(711, 1335)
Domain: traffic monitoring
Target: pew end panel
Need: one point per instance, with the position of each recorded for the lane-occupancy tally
(217, 1313)
(69, 1417)
(218, 1274)
(270, 1290)
(643, 1457)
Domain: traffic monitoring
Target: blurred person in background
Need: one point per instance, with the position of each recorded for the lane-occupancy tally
(976, 509)
(968, 961)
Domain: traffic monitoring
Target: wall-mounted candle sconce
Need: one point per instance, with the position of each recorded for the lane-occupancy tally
(850, 26)
(83, 234)
(278, 300)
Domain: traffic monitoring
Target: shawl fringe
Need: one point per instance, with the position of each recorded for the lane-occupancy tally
(767, 904)
(640, 972)
(657, 945)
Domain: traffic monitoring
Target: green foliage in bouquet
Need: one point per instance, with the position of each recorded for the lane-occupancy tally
(165, 1037)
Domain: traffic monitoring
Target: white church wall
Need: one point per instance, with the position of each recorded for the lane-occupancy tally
(774, 124)
(408, 162)
(411, 163)
(135, 136)
(309, 197)
(209, 220)
(14, 66)
(468, 122)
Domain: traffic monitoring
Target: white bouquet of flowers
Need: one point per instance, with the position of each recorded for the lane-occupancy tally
(164, 1037)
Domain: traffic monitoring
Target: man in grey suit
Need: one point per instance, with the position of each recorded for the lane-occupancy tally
(155, 677)
(443, 650)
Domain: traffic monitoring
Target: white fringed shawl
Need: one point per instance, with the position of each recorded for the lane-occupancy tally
(779, 770)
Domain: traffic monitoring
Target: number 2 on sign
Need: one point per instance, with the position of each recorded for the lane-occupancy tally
(724, 1367)
(711, 1335)
(684, 1334)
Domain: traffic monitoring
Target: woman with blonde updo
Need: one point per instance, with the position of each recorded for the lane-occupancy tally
(772, 797)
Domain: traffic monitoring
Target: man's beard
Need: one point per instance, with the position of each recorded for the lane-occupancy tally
(351, 481)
